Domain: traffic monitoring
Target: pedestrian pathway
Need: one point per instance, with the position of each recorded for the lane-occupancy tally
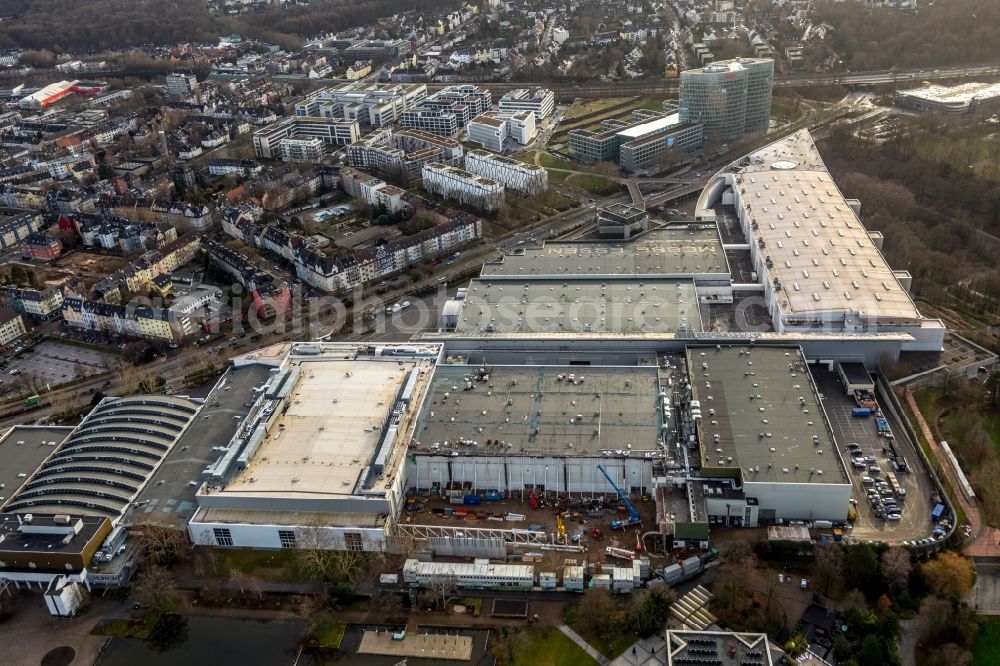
(584, 645)
(650, 651)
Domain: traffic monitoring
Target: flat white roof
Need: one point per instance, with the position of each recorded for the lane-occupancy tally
(652, 126)
(327, 430)
(819, 250)
(955, 95)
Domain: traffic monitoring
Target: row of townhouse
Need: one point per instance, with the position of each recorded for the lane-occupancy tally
(117, 233)
(269, 296)
(167, 211)
(16, 225)
(332, 274)
(139, 275)
(39, 305)
(141, 321)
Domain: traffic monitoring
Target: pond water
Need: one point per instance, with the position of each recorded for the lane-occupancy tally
(197, 641)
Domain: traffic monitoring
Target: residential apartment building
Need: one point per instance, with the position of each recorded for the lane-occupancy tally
(374, 191)
(730, 98)
(302, 150)
(225, 167)
(527, 179)
(180, 85)
(38, 305)
(467, 188)
(333, 131)
(358, 70)
(405, 151)
(322, 271)
(374, 104)
(540, 101)
(16, 225)
(124, 320)
(114, 233)
(11, 326)
(41, 247)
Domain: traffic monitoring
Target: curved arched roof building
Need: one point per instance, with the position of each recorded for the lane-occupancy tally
(108, 458)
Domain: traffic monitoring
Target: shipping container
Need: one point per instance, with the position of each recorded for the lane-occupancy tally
(472, 499)
(861, 411)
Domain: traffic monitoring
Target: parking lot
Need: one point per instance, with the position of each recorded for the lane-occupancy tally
(55, 363)
(915, 509)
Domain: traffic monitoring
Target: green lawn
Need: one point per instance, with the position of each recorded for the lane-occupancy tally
(528, 157)
(650, 103)
(583, 108)
(556, 201)
(550, 162)
(329, 634)
(549, 646)
(597, 185)
(986, 647)
(270, 565)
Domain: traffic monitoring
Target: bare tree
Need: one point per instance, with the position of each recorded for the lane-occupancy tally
(829, 566)
(154, 590)
(597, 613)
(896, 566)
(161, 546)
(318, 557)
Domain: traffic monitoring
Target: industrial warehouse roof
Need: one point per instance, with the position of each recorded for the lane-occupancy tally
(761, 414)
(821, 256)
(22, 451)
(588, 305)
(332, 417)
(539, 410)
(108, 458)
(169, 497)
(671, 251)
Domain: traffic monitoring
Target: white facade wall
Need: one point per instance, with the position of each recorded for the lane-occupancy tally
(489, 134)
(802, 501)
(524, 178)
(264, 536)
(478, 192)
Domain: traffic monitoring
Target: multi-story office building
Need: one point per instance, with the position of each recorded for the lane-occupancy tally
(467, 188)
(729, 98)
(528, 179)
(377, 105)
(464, 101)
(643, 145)
(301, 150)
(378, 50)
(435, 121)
(334, 131)
(488, 131)
(663, 148)
(181, 85)
(540, 101)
